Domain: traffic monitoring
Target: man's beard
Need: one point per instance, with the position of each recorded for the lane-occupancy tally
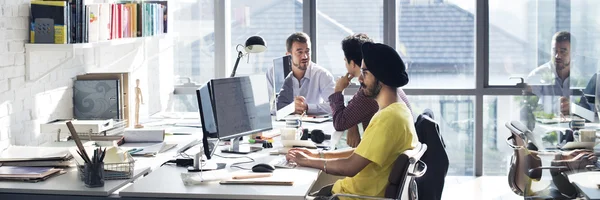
(301, 66)
(560, 65)
(371, 92)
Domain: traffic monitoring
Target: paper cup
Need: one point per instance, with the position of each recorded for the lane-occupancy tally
(288, 134)
(587, 135)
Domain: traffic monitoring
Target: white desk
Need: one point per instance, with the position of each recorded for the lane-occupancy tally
(586, 183)
(165, 182)
(67, 184)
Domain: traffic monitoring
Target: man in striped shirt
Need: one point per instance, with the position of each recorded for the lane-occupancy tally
(356, 115)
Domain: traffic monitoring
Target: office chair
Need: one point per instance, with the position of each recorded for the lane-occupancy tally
(408, 164)
(526, 169)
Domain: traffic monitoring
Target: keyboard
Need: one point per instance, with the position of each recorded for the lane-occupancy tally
(282, 163)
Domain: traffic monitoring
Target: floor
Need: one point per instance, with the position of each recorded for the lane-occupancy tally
(485, 187)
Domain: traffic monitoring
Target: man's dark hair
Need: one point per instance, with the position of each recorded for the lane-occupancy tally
(351, 47)
(564, 36)
(296, 37)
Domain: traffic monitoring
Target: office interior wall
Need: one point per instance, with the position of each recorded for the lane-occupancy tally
(42, 90)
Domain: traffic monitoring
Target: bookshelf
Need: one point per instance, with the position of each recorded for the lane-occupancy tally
(106, 43)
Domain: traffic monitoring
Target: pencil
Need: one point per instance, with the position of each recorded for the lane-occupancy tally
(247, 176)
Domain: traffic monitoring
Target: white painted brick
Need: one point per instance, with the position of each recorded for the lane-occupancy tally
(4, 86)
(20, 59)
(17, 106)
(15, 10)
(16, 83)
(28, 104)
(4, 111)
(3, 45)
(21, 35)
(24, 10)
(22, 93)
(7, 11)
(6, 60)
(16, 47)
(17, 71)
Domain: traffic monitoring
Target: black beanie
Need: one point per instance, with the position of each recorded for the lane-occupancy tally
(385, 64)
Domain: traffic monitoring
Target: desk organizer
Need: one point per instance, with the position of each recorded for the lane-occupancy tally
(114, 171)
(86, 129)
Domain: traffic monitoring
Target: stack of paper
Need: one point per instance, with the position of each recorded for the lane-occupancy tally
(35, 156)
(33, 174)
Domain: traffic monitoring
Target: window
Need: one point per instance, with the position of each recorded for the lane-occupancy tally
(436, 41)
(337, 19)
(273, 20)
(455, 116)
(193, 26)
(521, 36)
(497, 110)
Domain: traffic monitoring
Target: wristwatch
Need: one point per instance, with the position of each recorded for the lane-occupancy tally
(321, 154)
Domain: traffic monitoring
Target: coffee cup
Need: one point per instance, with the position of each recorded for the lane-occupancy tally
(587, 135)
(289, 134)
(577, 124)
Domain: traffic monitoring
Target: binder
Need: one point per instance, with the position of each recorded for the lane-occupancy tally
(96, 99)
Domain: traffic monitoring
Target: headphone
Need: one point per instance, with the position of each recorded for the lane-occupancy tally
(316, 135)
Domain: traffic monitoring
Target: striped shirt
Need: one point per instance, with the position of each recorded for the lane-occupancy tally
(359, 110)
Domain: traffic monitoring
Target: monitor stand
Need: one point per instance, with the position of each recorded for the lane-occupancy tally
(237, 149)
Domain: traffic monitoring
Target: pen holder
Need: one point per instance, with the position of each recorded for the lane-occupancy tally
(93, 175)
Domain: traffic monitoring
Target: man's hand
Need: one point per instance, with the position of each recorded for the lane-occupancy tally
(299, 157)
(564, 106)
(300, 104)
(343, 82)
(579, 154)
(353, 137)
(303, 150)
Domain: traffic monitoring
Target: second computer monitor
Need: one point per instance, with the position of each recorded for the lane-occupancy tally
(241, 106)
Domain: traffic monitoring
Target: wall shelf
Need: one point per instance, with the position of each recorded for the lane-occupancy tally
(115, 42)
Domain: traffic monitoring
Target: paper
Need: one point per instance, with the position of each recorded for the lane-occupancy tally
(147, 149)
(285, 111)
(144, 135)
(25, 153)
(202, 177)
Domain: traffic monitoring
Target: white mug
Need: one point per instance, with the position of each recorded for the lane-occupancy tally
(587, 135)
(289, 134)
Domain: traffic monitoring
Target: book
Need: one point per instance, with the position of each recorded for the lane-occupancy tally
(105, 22)
(48, 22)
(96, 99)
(27, 153)
(13, 172)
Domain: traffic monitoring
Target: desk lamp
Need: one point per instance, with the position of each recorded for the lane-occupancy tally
(254, 44)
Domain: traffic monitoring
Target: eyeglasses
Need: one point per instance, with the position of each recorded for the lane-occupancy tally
(363, 70)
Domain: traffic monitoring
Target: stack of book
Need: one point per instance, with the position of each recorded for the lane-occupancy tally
(75, 21)
(25, 156)
(28, 174)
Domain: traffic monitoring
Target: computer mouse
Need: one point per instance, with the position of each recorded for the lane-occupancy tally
(263, 167)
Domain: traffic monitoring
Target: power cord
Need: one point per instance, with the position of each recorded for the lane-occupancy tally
(235, 165)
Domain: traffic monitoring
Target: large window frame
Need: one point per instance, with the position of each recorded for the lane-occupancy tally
(482, 88)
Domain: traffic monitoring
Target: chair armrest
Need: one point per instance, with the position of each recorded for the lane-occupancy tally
(358, 196)
(531, 171)
(419, 173)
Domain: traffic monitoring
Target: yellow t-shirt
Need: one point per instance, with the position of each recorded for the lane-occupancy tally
(390, 132)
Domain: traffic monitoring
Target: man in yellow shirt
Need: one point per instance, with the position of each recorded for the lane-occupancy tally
(390, 132)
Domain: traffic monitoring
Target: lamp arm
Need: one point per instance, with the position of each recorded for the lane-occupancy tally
(237, 61)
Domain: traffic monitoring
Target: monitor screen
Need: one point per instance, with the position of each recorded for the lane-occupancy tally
(282, 66)
(241, 106)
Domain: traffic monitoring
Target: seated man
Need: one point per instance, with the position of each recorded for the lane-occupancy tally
(551, 81)
(356, 115)
(390, 132)
(309, 85)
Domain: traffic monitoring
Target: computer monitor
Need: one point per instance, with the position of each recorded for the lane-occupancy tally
(207, 118)
(587, 107)
(241, 107)
(282, 66)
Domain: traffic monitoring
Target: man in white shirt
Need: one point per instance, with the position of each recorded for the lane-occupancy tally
(550, 81)
(309, 85)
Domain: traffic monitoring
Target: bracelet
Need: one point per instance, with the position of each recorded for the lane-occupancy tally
(321, 154)
(325, 166)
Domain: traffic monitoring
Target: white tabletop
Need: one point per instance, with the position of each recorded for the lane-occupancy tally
(587, 183)
(172, 186)
(68, 184)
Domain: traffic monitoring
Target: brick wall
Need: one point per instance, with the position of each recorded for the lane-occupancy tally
(40, 91)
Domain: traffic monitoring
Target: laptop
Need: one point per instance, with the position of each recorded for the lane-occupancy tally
(286, 113)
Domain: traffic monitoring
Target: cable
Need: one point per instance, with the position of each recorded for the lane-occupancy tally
(235, 165)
